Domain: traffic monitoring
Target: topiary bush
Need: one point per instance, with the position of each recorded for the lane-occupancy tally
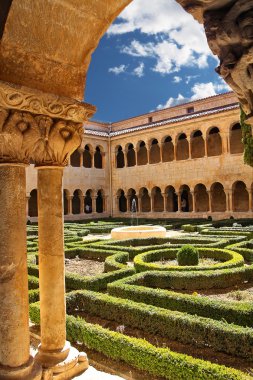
(188, 255)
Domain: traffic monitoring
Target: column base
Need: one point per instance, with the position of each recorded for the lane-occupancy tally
(29, 371)
(73, 365)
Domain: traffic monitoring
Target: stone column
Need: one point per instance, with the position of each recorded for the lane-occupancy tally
(165, 198)
(69, 198)
(152, 202)
(59, 137)
(17, 138)
(94, 206)
(209, 200)
(27, 205)
(250, 199)
(81, 197)
(229, 200)
(179, 201)
(193, 201)
(51, 266)
(139, 203)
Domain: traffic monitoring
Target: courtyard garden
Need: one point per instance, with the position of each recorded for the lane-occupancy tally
(177, 308)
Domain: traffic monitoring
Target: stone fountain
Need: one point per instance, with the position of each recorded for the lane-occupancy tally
(135, 231)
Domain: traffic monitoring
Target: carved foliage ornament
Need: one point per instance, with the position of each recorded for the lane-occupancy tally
(37, 102)
(229, 30)
(46, 141)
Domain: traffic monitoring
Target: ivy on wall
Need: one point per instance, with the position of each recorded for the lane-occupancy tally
(247, 139)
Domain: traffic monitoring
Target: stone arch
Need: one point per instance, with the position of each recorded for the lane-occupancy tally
(197, 144)
(131, 195)
(171, 199)
(87, 156)
(100, 201)
(201, 198)
(145, 200)
(142, 153)
(214, 142)
(218, 197)
(167, 149)
(98, 158)
(76, 202)
(235, 139)
(66, 195)
(33, 203)
(240, 196)
(154, 152)
(158, 203)
(75, 159)
(182, 147)
(185, 198)
(122, 200)
(120, 159)
(130, 153)
(88, 202)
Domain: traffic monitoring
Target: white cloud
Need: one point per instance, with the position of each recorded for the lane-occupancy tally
(175, 39)
(172, 102)
(203, 90)
(169, 56)
(139, 70)
(199, 91)
(118, 69)
(177, 79)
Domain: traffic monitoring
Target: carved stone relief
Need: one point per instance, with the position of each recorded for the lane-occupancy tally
(37, 136)
(229, 30)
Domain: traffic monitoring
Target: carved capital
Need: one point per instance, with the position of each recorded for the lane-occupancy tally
(58, 140)
(39, 103)
(229, 30)
(48, 134)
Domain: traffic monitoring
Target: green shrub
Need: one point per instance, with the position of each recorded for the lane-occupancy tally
(226, 259)
(182, 327)
(141, 354)
(240, 313)
(187, 256)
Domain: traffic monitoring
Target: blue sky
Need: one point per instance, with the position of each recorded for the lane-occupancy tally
(153, 56)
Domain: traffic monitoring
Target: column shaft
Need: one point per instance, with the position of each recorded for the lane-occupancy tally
(51, 259)
(14, 323)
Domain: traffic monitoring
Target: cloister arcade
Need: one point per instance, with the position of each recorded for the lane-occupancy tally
(197, 199)
(88, 157)
(89, 202)
(182, 147)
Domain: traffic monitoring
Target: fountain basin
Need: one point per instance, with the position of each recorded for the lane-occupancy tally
(137, 232)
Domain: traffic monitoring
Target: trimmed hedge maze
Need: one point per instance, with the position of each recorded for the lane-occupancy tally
(144, 288)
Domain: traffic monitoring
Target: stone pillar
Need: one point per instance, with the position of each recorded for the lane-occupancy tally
(14, 327)
(125, 159)
(193, 201)
(152, 202)
(229, 200)
(81, 197)
(139, 203)
(94, 206)
(165, 198)
(92, 158)
(179, 201)
(250, 199)
(59, 136)
(27, 205)
(69, 198)
(17, 139)
(209, 200)
(205, 140)
(51, 266)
